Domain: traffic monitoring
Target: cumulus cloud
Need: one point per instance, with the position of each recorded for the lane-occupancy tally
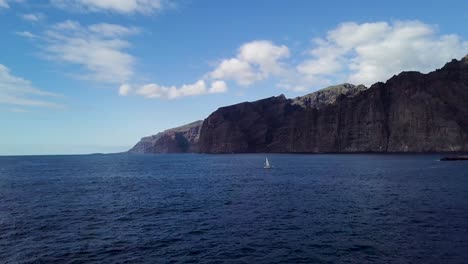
(26, 34)
(255, 61)
(171, 92)
(235, 69)
(6, 3)
(358, 53)
(19, 110)
(370, 52)
(113, 30)
(20, 92)
(99, 49)
(115, 6)
(218, 87)
(33, 17)
(124, 89)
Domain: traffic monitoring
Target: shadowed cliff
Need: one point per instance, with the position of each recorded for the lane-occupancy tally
(411, 112)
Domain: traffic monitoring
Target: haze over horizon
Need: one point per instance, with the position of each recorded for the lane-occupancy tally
(91, 76)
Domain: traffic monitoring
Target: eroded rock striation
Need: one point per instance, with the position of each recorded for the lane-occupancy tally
(411, 112)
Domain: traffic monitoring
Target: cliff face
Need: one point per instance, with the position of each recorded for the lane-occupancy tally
(245, 127)
(411, 112)
(176, 140)
(328, 95)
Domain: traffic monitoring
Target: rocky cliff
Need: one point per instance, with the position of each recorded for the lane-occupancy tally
(176, 140)
(411, 112)
(328, 95)
(185, 138)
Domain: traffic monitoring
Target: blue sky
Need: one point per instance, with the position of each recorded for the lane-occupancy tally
(84, 76)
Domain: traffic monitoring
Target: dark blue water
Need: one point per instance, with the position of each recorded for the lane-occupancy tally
(228, 209)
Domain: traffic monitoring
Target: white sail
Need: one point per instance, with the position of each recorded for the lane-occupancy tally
(267, 164)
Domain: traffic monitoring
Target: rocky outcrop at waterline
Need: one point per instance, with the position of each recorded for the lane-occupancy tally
(454, 158)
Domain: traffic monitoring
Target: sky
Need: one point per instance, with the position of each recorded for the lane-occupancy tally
(94, 76)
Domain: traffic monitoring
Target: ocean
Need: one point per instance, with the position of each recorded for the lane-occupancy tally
(196, 208)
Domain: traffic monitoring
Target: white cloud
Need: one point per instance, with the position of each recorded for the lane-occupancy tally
(20, 92)
(33, 17)
(218, 87)
(67, 25)
(357, 53)
(26, 34)
(19, 110)
(235, 69)
(299, 82)
(171, 92)
(370, 52)
(350, 34)
(321, 66)
(99, 49)
(4, 4)
(266, 55)
(124, 89)
(115, 6)
(112, 30)
(255, 61)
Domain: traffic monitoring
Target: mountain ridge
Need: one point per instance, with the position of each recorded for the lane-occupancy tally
(410, 112)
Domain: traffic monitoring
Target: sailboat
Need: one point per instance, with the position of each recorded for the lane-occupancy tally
(267, 164)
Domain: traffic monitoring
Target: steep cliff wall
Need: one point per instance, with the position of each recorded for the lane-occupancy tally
(411, 112)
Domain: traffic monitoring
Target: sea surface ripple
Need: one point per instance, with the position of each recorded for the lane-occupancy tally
(227, 209)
